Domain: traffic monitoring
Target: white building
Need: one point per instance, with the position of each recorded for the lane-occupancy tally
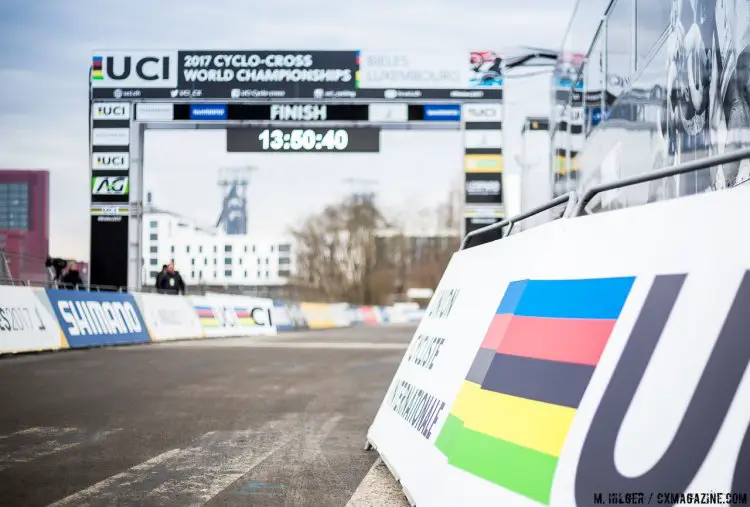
(207, 256)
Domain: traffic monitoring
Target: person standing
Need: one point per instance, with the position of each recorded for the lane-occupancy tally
(171, 282)
(159, 278)
(72, 278)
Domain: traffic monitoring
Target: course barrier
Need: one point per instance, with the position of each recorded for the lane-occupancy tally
(34, 319)
(604, 361)
(318, 315)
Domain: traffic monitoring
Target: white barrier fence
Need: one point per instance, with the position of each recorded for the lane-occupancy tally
(34, 319)
(606, 357)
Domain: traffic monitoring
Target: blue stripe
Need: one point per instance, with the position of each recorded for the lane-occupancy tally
(512, 297)
(594, 298)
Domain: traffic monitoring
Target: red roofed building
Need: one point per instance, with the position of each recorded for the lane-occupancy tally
(24, 222)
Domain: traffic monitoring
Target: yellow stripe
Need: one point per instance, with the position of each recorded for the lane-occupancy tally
(528, 423)
(63, 341)
(483, 163)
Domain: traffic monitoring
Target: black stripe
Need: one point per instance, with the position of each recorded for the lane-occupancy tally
(563, 126)
(562, 152)
(111, 124)
(481, 364)
(480, 125)
(483, 151)
(535, 379)
(109, 149)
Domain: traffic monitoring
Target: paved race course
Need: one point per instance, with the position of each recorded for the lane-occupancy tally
(269, 421)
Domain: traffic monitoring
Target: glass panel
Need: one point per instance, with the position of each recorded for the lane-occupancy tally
(619, 47)
(652, 19)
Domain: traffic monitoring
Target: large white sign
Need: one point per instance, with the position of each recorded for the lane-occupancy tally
(425, 70)
(226, 315)
(388, 113)
(26, 324)
(169, 317)
(110, 137)
(483, 139)
(586, 361)
(134, 69)
(148, 111)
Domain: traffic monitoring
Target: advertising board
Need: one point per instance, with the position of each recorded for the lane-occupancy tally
(553, 381)
(98, 318)
(168, 317)
(302, 74)
(226, 315)
(26, 323)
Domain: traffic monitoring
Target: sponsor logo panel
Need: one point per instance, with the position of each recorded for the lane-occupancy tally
(386, 113)
(116, 161)
(480, 139)
(483, 163)
(154, 112)
(480, 113)
(134, 69)
(98, 318)
(110, 137)
(110, 111)
(208, 111)
(110, 185)
(442, 112)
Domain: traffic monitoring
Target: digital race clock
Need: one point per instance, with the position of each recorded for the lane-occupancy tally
(304, 140)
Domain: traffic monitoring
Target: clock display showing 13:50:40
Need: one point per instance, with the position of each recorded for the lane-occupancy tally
(304, 140)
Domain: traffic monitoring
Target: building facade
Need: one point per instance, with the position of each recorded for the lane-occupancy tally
(208, 256)
(24, 223)
(654, 84)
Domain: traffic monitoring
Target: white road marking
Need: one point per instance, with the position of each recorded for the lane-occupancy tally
(188, 476)
(32, 443)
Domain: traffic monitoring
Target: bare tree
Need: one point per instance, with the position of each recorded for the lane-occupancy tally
(336, 252)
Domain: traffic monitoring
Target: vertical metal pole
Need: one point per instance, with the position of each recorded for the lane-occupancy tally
(90, 171)
(634, 43)
(462, 205)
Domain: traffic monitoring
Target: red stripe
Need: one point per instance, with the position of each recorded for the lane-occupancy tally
(497, 331)
(579, 341)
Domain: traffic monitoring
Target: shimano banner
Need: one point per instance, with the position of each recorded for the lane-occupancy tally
(98, 318)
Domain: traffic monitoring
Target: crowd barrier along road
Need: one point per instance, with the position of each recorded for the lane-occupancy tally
(33, 319)
(585, 361)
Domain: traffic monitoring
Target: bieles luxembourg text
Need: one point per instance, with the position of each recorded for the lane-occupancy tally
(99, 318)
(661, 498)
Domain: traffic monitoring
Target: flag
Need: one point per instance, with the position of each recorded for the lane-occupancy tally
(515, 407)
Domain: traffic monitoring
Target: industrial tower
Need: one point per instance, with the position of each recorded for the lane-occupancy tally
(234, 182)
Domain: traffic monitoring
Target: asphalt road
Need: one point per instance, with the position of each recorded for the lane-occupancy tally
(224, 422)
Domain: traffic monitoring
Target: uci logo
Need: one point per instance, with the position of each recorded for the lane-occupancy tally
(111, 111)
(491, 113)
(135, 70)
(110, 161)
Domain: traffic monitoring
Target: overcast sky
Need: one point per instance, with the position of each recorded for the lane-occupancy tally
(45, 53)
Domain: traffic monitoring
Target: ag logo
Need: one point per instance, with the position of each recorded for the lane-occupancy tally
(111, 111)
(134, 69)
(110, 185)
(118, 161)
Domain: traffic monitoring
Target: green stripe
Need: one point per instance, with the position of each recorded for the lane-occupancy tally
(519, 469)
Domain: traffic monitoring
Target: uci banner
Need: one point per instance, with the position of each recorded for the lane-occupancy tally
(607, 360)
(229, 315)
(98, 318)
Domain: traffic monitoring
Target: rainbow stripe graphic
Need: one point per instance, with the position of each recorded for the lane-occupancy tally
(513, 412)
(357, 60)
(97, 69)
(208, 317)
